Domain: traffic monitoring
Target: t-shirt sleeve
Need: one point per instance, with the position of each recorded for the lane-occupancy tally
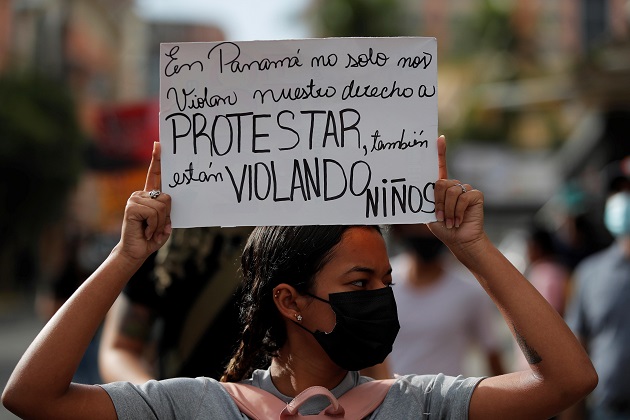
(429, 396)
(179, 398)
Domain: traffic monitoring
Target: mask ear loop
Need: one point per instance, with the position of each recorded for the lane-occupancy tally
(325, 301)
(318, 298)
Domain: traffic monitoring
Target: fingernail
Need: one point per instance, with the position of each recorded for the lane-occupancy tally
(168, 228)
(440, 216)
(457, 222)
(449, 223)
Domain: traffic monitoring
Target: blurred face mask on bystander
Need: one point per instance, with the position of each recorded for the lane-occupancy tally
(617, 214)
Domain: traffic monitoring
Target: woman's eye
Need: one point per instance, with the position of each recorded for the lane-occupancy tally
(359, 283)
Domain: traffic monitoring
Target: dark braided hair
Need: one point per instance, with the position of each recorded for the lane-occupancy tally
(275, 255)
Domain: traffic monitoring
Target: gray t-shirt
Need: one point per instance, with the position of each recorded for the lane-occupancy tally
(411, 397)
(598, 313)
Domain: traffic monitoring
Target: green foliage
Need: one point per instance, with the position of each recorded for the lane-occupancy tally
(41, 149)
(365, 18)
(488, 29)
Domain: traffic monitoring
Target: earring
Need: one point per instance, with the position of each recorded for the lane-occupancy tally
(277, 294)
(298, 317)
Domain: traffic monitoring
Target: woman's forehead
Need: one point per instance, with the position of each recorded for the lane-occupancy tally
(360, 245)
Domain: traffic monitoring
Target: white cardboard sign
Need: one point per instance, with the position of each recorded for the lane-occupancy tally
(299, 132)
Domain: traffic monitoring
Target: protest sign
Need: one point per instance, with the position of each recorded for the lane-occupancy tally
(298, 132)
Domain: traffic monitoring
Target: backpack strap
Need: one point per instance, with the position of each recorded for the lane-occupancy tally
(357, 403)
(291, 409)
(362, 400)
(255, 403)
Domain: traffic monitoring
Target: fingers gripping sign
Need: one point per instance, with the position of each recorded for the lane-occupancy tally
(147, 223)
(458, 207)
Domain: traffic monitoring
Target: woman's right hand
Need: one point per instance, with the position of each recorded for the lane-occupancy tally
(147, 221)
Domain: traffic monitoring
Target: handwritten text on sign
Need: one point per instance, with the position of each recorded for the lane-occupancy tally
(316, 131)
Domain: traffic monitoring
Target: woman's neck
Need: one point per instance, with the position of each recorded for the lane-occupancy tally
(292, 374)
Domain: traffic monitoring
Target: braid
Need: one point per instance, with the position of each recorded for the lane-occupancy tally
(250, 354)
(258, 318)
(240, 364)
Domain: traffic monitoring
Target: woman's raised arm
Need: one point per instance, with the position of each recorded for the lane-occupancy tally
(40, 386)
(560, 371)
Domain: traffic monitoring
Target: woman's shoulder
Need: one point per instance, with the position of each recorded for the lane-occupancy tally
(187, 397)
(449, 395)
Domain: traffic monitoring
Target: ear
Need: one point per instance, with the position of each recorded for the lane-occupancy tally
(287, 300)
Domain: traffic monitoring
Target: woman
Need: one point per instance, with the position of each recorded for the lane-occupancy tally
(298, 291)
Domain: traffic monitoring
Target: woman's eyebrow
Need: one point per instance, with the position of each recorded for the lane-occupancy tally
(368, 270)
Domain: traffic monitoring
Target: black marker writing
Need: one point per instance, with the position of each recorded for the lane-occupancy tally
(188, 176)
(402, 197)
(338, 136)
(363, 60)
(309, 91)
(328, 61)
(355, 90)
(227, 55)
(176, 68)
(229, 133)
(415, 62)
(402, 144)
(309, 180)
(190, 99)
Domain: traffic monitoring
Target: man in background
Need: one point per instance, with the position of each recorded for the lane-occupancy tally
(598, 310)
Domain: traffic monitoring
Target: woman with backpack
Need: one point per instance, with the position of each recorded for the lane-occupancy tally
(318, 308)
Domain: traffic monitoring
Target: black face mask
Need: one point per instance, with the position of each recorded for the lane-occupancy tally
(367, 325)
(425, 247)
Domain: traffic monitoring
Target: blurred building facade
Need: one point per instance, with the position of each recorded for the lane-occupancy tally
(548, 81)
(108, 56)
(550, 102)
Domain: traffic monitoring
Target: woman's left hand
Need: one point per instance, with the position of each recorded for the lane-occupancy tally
(147, 221)
(458, 209)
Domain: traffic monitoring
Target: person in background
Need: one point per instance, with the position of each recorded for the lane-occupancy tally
(578, 232)
(598, 309)
(547, 273)
(442, 314)
(177, 316)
